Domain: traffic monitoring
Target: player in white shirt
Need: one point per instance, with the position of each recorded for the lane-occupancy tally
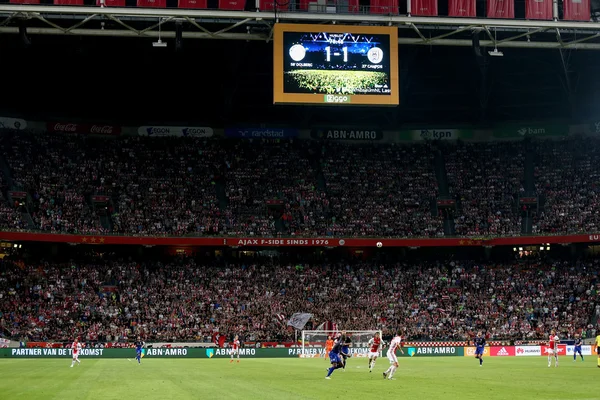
(395, 344)
(76, 347)
(375, 345)
(235, 349)
(553, 348)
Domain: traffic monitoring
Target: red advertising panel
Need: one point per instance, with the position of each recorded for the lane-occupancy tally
(152, 3)
(86, 129)
(426, 8)
(111, 3)
(192, 3)
(501, 8)
(562, 350)
(461, 8)
(68, 2)
(24, 1)
(576, 10)
(270, 5)
(384, 6)
(232, 4)
(538, 9)
(502, 351)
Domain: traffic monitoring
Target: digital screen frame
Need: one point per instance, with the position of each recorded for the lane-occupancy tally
(305, 56)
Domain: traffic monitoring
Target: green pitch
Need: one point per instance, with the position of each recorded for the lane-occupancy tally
(445, 378)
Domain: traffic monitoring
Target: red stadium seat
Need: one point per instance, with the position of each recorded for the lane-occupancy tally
(68, 2)
(24, 1)
(112, 3)
(384, 6)
(232, 5)
(152, 3)
(270, 5)
(192, 3)
(303, 4)
(353, 6)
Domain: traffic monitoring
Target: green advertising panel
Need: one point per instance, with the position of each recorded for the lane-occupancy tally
(436, 134)
(433, 352)
(212, 352)
(516, 131)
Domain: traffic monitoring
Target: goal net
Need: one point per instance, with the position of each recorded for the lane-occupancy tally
(313, 342)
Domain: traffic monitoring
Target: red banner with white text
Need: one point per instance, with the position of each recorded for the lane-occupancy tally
(576, 10)
(538, 9)
(461, 8)
(502, 351)
(501, 9)
(294, 242)
(427, 8)
(85, 129)
(562, 350)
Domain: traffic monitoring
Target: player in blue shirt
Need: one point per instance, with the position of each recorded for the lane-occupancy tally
(335, 356)
(346, 349)
(138, 350)
(577, 348)
(479, 347)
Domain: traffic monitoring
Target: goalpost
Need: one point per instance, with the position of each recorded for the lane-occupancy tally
(313, 342)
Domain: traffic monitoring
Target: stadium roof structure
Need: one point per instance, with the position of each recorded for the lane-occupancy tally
(254, 25)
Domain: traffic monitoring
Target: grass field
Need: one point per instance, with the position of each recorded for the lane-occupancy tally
(445, 378)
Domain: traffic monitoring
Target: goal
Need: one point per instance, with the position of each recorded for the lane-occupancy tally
(313, 342)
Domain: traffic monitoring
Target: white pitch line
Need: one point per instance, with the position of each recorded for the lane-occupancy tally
(129, 359)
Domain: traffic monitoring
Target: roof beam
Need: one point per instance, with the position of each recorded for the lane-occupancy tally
(297, 16)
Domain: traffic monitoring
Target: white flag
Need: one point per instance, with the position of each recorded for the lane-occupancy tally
(298, 320)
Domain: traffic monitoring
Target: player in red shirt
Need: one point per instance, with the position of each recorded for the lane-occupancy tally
(375, 345)
(553, 349)
(235, 349)
(76, 347)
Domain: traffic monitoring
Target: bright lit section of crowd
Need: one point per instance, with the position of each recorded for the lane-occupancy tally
(190, 186)
(111, 298)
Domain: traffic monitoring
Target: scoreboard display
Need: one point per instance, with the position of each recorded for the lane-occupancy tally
(334, 64)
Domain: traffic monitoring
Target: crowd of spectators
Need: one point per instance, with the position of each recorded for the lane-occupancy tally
(486, 177)
(381, 190)
(181, 299)
(568, 179)
(198, 186)
(10, 216)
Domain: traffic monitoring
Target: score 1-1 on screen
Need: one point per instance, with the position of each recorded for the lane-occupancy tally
(319, 64)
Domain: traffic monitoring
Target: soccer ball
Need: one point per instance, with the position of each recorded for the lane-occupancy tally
(379, 244)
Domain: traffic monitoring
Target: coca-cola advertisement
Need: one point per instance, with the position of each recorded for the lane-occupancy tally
(84, 129)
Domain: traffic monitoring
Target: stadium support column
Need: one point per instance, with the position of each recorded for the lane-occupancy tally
(565, 58)
(230, 86)
(482, 63)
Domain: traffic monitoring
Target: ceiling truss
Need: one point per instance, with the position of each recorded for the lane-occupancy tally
(248, 25)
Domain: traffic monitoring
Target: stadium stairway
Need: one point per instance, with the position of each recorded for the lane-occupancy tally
(529, 188)
(4, 167)
(441, 176)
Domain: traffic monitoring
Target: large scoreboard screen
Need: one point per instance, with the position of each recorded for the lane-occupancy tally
(334, 64)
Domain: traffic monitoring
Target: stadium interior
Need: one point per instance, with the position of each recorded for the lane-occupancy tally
(156, 194)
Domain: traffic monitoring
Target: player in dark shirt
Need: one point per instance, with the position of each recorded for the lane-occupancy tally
(479, 347)
(346, 349)
(577, 348)
(138, 350)
(335, 356)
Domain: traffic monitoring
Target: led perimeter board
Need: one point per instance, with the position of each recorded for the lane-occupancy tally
(335, 64)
